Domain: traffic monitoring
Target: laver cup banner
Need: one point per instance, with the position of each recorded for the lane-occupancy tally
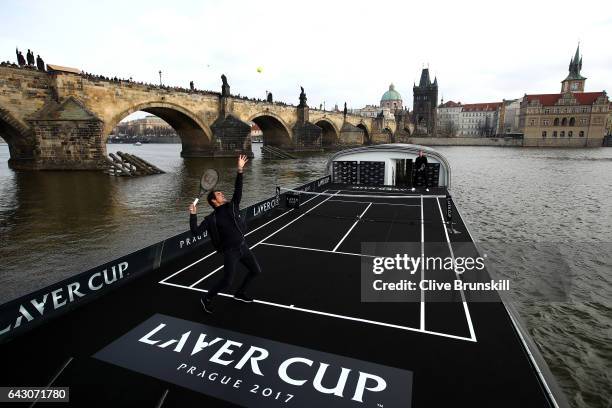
(252, 371)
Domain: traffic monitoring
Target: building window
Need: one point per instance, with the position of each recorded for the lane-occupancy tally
(562, 134)
(532, 122)
(555, 133)
(556, 122)
(546, 122)
(564, 122)
(572, 121)
(570, 134)
(584, 109)
(583, 121)
(581, 134)
(543, 134)
(547, 110)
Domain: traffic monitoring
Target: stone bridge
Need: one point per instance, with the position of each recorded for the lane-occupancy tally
(62, 120)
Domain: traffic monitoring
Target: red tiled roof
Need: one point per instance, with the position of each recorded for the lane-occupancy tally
(489, 106)
(583, 98)
(450, 104)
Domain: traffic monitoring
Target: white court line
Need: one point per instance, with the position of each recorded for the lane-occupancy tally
(380, 193)
(450, 247)
(422, 267)
(248, 233)
(366, 202)
(274, 233)
(318, 250)
(350, 229)
(338, 316)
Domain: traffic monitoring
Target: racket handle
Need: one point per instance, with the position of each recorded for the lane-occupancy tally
(195, 202)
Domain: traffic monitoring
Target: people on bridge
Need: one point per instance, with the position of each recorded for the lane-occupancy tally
(226, 228)
(191, 86)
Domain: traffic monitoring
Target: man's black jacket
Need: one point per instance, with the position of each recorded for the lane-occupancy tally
(228, 215)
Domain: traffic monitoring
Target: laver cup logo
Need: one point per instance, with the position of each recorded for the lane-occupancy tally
(252, 371)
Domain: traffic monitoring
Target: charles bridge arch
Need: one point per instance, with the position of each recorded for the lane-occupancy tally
(195, 135)
(275, 132)
(61, 119)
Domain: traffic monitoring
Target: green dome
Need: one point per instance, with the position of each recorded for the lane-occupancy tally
(391, 95)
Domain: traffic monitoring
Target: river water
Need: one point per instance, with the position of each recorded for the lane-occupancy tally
(519, 203)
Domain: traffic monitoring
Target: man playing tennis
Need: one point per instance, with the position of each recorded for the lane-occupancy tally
(226, 229)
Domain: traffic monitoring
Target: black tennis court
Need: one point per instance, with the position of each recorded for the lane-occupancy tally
(308, 303)
(311, 253)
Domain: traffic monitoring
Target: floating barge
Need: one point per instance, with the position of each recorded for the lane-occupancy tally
(132, 332)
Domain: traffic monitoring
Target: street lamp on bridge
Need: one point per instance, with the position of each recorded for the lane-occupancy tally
(160, 82)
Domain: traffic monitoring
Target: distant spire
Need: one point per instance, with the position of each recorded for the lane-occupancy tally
(577, 55)
(575, 66)
(425, 80)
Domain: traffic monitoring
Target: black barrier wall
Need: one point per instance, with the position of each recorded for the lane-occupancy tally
(25, 313)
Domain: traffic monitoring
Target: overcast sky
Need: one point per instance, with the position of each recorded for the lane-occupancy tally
(338, 50)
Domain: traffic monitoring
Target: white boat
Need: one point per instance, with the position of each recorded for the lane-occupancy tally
(389, 165)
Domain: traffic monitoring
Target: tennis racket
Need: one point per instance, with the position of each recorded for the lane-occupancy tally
(208, 181)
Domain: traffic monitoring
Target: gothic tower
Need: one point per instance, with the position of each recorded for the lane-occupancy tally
(574, 81)
(425, 103)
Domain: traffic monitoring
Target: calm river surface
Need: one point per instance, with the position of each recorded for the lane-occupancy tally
(528, 208)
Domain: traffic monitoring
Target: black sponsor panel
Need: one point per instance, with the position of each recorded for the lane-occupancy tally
(253, 371)
(180, 245)
(314, 185)
(345, 172)
(372, 173)
(292, 200)
(262, 208)
(433, 174)
(29, 311)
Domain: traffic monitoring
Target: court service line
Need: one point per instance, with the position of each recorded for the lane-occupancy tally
(248, 233)
(272, 234)
(366, 202)
(393, 195)
(422, 318)
(318, 250)
(450, 247)
(350, 229)
(338, 316)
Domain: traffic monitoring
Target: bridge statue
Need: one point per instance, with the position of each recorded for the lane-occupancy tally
(20, 59)
(302, 97)
(269, 98)
(344, 111)
(40, 63)
(225, 88)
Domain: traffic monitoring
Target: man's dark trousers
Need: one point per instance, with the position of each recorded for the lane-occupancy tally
(231, 257)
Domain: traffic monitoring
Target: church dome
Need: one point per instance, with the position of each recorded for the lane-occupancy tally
(391, 95)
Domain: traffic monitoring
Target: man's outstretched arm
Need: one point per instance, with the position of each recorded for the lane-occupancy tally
(242, 159)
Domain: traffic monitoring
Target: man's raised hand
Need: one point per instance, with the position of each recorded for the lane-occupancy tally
(242, 159)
